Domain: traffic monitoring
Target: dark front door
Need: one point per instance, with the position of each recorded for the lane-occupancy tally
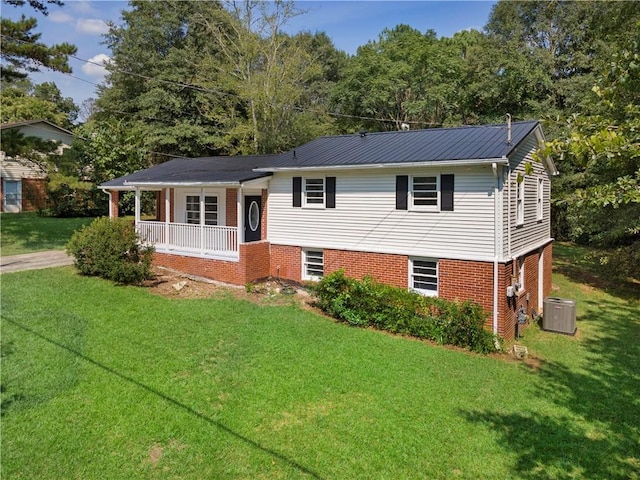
(252, 220)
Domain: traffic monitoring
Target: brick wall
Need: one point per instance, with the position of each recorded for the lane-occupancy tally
(286, 262)
(115, 200)
(231, 207)
(253, 265)
(34, 194)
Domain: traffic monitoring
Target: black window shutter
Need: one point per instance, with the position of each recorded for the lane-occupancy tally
(402, 191)
(297, 191)
(446, 193)
(330, 185)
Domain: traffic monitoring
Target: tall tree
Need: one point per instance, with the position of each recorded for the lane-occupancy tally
(22, 52)
(21, 100)
(403, 77)
(268, 71)
(151, 81)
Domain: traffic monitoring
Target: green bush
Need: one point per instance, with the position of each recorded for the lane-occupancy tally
(109, 248)
(368, 303)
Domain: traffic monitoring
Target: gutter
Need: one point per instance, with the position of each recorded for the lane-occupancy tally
(446, 163)
(496, 249)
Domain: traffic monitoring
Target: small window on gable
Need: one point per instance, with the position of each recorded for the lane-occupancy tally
(424, 192)
(540, 198)
(520, 203)
(314, 192)
(424, 276)
(312, 264)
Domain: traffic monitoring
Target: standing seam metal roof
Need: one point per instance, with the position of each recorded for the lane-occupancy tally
(476, 143)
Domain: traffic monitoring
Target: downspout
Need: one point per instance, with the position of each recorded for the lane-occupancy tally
(496, 251)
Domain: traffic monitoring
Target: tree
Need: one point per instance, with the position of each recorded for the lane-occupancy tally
(599, 195)
(21, 100)
(403, 77)
(150, 85)
(21, 50)
(268, 72)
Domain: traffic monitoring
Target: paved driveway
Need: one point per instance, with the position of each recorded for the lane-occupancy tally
(34, 261)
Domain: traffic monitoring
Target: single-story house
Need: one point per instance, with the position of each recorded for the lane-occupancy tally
(461, 213)
(23, 180)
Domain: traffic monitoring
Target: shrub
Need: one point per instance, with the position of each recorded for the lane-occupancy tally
(109, 248)
(368, 303)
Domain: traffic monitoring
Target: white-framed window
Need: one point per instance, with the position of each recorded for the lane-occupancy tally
(520, 284)
(520, 202)
(425, 192)
(312, 264)
(192, 209)
(423, 276)
(540, 198)
(314, 192)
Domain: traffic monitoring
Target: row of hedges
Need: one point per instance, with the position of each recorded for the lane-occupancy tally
(368, 303)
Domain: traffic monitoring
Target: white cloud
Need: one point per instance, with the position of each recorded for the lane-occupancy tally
(92, 26)
(82, 6)
(94, 67)
(60, 17)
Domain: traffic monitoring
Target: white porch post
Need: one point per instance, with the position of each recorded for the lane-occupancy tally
(110, 205)
(167, 214)
(202, 220)
(240, 214)
(137, 206)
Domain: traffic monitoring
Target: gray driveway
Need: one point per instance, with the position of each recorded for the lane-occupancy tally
(34, 261)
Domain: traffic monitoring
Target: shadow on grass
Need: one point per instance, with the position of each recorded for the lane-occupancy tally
(176, 403)
(599, 436)
(582, 265)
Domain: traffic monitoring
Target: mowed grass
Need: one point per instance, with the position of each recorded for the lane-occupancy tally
(27, 232)
(103, 381)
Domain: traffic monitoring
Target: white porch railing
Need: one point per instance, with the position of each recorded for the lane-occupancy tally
(188, 238)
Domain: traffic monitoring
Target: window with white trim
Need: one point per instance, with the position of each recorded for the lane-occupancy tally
(520, 203)
(312, 264)
(424, 192)
(540, 198)
(423, 276)
(192, 209)
(314, 192)
(520, 284)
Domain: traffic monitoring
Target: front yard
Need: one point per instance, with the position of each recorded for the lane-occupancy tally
(103, 381)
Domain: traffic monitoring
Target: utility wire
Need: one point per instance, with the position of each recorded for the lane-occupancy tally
(230, 94)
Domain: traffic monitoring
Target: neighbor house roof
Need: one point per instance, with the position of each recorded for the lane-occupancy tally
(197, 171)
(27, 123)
(442, 146)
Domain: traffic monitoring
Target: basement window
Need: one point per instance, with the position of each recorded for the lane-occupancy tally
(423, 274)
(312, 264)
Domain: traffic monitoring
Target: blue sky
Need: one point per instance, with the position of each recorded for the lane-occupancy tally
(348, 23)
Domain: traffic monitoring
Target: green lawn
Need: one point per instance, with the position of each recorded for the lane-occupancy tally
(28, 232)
(111, 382)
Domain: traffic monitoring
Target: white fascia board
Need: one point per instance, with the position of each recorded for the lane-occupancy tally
(437, 163)
(120, 188)
(181, 184)
(548, 161)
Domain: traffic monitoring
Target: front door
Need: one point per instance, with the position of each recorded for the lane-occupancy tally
(252, 221)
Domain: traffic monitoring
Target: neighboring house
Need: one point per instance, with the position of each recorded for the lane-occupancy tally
(452, 212)
(23, 181)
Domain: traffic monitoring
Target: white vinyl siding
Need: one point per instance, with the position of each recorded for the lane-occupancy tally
(365, 217)
(534, 231)
(312, 264)
(423, 276)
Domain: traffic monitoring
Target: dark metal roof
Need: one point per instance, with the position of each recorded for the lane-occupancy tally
(206, 170)
(461, 144)
(477, 143)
